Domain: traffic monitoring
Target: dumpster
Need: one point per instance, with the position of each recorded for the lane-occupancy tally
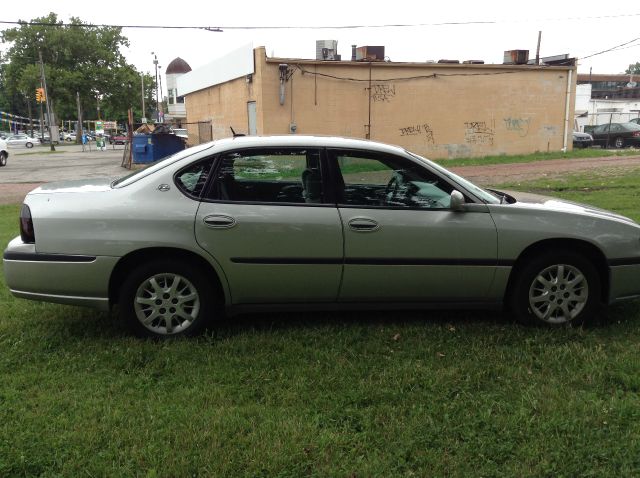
(148, 148)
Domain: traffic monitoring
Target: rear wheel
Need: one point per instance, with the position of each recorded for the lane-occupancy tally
(166, 298)
(3, 158)
(556, 288)
(29, 145)
(619, 143)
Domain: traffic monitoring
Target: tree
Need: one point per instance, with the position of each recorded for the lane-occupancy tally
(635, 69)
(78, 57)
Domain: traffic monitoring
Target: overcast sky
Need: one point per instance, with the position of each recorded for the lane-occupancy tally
(578, 28)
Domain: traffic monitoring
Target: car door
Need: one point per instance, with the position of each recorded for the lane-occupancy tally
(271, 231)
(402, 242)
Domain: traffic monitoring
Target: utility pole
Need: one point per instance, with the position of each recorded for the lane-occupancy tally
(155, 62)
(46, 96)
(142, 88)
(30, 118)
(538, 49)
(79, 128)
(162, 97)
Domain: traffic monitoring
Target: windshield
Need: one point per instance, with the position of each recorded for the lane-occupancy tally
(157, 165)
(485, 195)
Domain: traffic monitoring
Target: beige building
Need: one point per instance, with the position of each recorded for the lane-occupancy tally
(437, 110)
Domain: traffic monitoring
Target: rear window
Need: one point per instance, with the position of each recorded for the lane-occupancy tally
(158, 165)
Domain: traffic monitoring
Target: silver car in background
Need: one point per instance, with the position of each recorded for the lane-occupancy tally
(302, 222)
(22, 139)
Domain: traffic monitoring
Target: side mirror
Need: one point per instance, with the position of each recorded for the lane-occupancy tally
(457, 201)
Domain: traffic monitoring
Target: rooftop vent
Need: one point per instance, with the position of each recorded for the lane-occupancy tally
(327, 50)
(516, 57)
(370, 53)
(453, 62)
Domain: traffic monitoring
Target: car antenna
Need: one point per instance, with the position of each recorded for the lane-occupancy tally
(235, 135)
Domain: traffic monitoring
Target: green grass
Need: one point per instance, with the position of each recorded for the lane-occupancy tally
(323, 394)
(529, 158)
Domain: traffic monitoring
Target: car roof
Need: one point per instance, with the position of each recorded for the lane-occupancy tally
(318, 141)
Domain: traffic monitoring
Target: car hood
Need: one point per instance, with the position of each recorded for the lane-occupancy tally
(540, 202)
(75, 186)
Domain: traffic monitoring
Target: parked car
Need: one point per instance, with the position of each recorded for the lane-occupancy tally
(617, 135)
(181, 132)
(635, 120)
(118, 139)
(22, 139)
(70, 137)
(582, 140)
(4, 153)
(302, 222)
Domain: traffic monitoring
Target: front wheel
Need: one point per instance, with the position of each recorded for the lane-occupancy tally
(619, 143)
(3, 159)
(29, 145)
(556, 288)
(167, 298)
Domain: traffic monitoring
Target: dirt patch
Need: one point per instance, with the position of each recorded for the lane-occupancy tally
(15, 193)
(520, 172)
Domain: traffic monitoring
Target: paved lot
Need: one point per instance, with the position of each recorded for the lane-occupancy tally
(27, 168)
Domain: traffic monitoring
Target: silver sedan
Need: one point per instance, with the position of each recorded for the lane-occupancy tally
(313, 223)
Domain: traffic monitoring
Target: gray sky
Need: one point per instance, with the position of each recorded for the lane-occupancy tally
(578, 28)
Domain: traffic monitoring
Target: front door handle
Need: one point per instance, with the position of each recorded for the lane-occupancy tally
(363, 224)
(219, 221)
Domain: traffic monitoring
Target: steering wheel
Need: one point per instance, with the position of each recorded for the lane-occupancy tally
(394, 187)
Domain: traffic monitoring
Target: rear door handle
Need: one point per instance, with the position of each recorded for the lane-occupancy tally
(219, 221)
(363, 224)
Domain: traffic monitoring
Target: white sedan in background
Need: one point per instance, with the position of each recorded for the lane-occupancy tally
(4, 154)
(22, 139)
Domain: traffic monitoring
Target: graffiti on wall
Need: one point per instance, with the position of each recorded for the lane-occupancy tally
(383, 93)
(518, 125)
(419, 130)
(479, 132)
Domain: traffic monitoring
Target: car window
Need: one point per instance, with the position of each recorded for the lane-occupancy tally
(271, 175)
(381, 180)
(192, 179)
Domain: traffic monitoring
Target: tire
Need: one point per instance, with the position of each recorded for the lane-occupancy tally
(29, 145)
(556, 288)
(167, 298)
(3, 159)
(619, 143)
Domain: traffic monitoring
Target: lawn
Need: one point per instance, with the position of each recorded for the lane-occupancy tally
(324, 394)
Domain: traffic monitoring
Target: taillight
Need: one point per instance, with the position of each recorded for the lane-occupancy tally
(26, 225)
(636, 133)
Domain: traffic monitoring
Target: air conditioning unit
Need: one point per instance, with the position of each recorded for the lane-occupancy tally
(516, 57)
(370, 53)
(327, 50)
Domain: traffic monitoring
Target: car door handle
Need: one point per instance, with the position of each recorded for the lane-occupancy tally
(363, 224)
(219, 221)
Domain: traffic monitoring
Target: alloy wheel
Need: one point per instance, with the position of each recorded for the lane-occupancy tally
(558, 293)
(167, 303)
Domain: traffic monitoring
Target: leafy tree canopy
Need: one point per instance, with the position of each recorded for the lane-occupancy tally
(635, 69)
(77, 58)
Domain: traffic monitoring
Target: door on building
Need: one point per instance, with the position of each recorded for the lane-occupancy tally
(251, 114)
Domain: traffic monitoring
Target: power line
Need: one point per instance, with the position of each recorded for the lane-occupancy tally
(611, 49)
(221, 28)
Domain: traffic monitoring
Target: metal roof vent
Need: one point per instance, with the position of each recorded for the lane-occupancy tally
(327, 50)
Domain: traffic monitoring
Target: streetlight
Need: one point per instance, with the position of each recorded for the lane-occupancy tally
(155, 62)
